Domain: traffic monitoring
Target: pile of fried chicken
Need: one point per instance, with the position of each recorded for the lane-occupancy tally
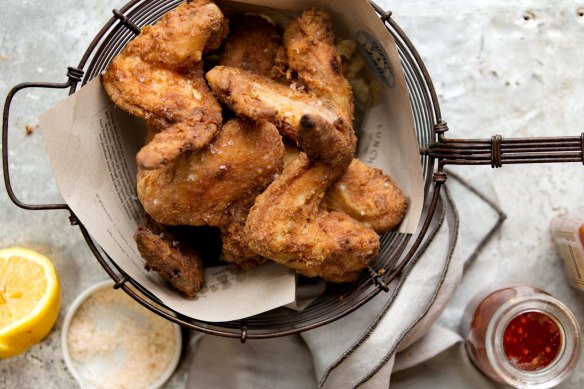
(273, 169)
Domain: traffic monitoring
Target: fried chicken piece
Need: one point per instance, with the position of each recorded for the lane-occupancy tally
(262, 99)
(217, 185)
(281, 70)
(172, 258)
(364, 193)
(158, 75)
(199, 188)
(181, 37)
(234, 244)
(368, 196)
(287, 222)
(251, 45)
(311, 52)
(235, 247)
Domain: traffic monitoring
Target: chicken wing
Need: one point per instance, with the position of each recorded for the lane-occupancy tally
(251, 45)
(321, 88)
(199, 188)
(311, 52)
(368, 196)
(364, 193)
(171, 257)
(159, 75)
(218, 185)
(260, 98)
(287, 223)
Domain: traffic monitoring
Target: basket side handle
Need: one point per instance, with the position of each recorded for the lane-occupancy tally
(74, 77)
(497, 150)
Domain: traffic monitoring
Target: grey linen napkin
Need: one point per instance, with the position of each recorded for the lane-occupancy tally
(392, 332)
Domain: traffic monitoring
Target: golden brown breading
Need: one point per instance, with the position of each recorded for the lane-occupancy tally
(235, 246)
(181, 37)
(251, 45)
(173, 259)
(199, 188)
(311, 51)
(159, 75)
(287, 223)
(368, 196)
(260, 98)
(332, 144)
(364, 193)
(291, 152)
(281, 71)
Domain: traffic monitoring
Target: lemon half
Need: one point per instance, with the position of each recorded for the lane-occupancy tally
(29, 299)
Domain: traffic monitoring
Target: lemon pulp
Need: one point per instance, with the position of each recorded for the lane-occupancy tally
(29, 299)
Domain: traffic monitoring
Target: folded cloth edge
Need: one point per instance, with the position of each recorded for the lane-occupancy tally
(453, 238)
(447, 203)
(390, 300)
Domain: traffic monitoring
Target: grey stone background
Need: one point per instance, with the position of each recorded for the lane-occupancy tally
(511, 68)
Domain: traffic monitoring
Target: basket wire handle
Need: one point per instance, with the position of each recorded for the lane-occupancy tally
(74, 76)
(498, 150)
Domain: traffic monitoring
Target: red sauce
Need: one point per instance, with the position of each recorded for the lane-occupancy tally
(532, 341)
(581, 233)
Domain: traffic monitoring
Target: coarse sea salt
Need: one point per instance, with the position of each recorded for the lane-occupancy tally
(134, 345)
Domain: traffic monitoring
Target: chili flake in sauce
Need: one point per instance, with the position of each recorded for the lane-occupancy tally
(532, 341)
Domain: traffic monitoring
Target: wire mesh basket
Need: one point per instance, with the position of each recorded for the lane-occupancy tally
(397, 249)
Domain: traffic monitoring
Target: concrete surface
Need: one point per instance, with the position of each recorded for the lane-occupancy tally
(513, 69)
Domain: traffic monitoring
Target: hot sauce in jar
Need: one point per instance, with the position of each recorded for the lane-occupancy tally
(522, 336)
(532, 340)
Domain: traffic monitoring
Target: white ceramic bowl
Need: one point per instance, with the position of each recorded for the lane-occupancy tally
(82, 371)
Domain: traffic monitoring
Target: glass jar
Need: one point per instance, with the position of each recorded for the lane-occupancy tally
(522, 336)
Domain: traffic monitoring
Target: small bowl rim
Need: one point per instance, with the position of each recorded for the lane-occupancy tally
(80, 299)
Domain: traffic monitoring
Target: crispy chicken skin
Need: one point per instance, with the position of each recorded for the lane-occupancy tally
(321, 89)
(287, 223)
(309, 43)
(173, 259)
(182, 36)
(364, 193)
(261, 98)
(218, 185)
(159, 76)
(368, 196)
(235, 248)
(251, 45)
(199, 188)
(319, 216)
(234, 244)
